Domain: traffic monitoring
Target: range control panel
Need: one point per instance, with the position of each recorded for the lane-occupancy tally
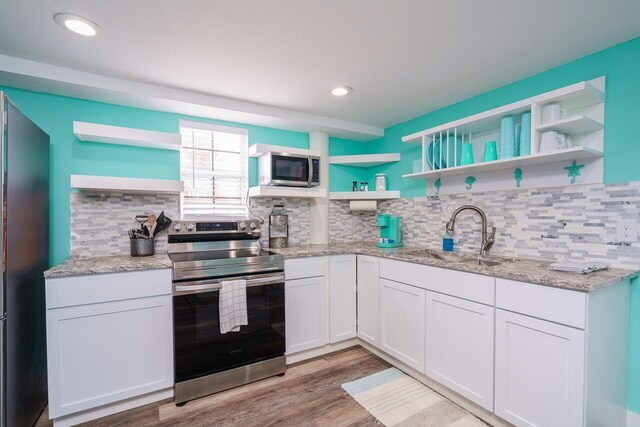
(218, 227)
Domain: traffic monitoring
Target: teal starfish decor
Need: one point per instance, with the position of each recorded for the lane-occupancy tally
(574, 171)
(518, 176)
(469, 181)
(437, 184)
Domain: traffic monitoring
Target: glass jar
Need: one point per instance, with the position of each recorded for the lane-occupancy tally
(381, 182)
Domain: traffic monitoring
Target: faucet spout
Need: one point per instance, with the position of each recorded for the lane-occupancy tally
(487, 239)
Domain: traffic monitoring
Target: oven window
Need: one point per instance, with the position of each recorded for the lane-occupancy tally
(200, 348)
(289, 168)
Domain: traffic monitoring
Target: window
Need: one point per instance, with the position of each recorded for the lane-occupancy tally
(213, 166)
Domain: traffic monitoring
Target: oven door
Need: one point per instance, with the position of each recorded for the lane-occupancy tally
(200, 348)
(291, 169)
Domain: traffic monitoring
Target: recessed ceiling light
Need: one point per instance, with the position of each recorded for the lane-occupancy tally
(341, 91)
(77, 24)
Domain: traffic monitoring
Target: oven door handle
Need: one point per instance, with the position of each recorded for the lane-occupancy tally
(309, 171)
(217, 284)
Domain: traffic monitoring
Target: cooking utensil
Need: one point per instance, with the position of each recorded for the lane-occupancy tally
(142, 219)
(162, 223)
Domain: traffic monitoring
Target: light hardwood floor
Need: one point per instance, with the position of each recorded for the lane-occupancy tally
(309, 394)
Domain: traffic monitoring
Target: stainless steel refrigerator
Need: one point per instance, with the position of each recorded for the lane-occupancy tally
(24, 160)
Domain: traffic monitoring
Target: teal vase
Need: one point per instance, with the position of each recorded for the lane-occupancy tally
(466, 158)
(490, 152)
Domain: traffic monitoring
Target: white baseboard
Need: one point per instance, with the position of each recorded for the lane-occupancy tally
(103, 411)
(633, 419)
(320, 351)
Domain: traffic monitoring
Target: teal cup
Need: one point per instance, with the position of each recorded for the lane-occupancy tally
(466, 158)
(490, 152)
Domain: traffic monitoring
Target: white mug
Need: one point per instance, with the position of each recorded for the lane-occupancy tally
(553, 112)
(551, 141)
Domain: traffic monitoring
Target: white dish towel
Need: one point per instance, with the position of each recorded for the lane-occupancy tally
(233, 305)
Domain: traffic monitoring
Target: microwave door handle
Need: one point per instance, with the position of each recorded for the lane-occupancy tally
(309, 171)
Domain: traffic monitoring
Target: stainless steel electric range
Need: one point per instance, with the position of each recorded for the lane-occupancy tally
(204, 254)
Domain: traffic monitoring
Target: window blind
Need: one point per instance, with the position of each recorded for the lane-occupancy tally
(213, 166)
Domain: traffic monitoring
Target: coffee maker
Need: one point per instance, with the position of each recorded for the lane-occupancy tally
(390, 231)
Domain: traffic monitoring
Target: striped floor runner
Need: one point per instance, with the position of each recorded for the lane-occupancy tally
(396, 399)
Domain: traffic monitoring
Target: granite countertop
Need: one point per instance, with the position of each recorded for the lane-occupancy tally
(80, 266)
(520, 269)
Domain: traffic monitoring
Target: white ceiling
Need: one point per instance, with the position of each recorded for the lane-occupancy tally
(403, 58)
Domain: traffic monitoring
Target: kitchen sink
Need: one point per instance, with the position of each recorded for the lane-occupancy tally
(484, 262)
(449, 258)
(452, 258)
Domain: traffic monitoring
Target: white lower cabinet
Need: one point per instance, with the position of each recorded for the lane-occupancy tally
(403, 322)
(306, 313)
(106, 352)
(342, 297)
(369, 299)
(540, 368)
(459, 346)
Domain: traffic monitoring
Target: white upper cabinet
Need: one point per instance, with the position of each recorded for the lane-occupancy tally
(369, 299)
(342, 297)
(403, 322)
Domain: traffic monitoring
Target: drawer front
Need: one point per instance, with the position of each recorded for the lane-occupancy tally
(557, 305)
(473, 287)
(299, 268)
(98, 288)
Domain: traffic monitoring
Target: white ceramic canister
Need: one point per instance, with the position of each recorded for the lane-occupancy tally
(381, 182)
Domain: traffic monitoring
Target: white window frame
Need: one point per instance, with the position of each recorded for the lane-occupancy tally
(216, 128)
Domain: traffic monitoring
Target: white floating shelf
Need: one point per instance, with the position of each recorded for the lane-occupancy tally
(571, 97)
(126, 185)
(572, 125)
(290, 192)
(567, 154)
(365, 160)
(93, 132)
(364, 195)
(257, 150)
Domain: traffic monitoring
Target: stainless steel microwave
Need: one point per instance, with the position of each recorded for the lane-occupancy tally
(289, 170)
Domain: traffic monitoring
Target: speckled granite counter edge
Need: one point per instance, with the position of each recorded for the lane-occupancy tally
(81, 266)
(517, 269)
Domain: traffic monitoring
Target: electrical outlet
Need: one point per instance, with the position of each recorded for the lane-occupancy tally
(627, 231)
(354, 223)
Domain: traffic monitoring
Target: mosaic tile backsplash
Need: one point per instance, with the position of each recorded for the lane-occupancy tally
(99, 221)
(298, 211)
(565, 223)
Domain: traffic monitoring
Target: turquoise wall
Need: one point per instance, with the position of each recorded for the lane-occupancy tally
(342, 177)
(621, 66)
(56, 114)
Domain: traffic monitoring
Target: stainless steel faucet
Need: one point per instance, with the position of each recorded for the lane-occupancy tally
(487, 239)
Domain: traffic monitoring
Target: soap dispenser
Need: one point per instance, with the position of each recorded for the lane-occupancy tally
(448, 242)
